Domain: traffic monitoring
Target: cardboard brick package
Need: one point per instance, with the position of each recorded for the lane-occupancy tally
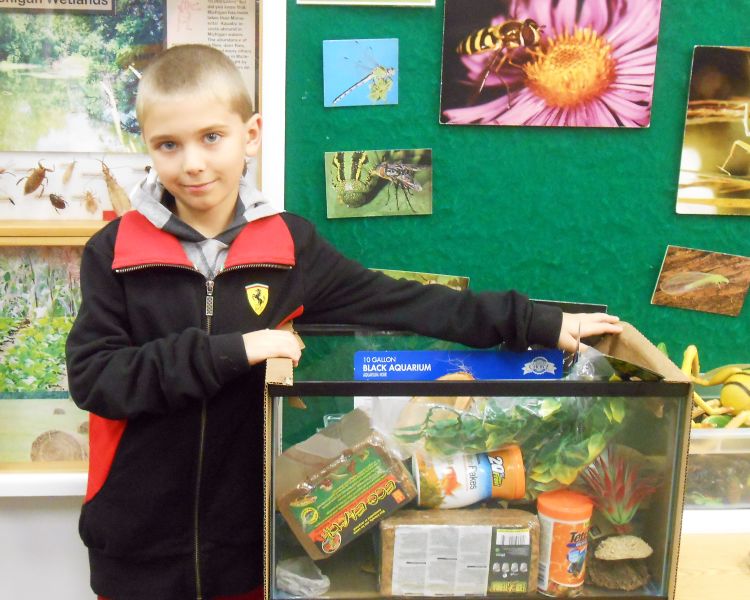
(337, 484)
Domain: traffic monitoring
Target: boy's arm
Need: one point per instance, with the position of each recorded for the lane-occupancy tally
(343, 291)
(111, 376)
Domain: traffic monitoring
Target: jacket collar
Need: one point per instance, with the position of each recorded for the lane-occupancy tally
(139, 243)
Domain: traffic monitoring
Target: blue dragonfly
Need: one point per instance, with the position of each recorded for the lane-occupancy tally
(379, 77)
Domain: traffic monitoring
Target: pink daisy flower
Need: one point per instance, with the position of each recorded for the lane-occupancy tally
(593, 68)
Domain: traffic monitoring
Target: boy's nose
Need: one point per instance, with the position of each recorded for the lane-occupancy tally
(193, 161)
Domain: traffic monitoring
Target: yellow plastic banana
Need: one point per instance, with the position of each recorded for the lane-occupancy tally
(735, 393)
(719, 376)
(690, 364)
(691, 367)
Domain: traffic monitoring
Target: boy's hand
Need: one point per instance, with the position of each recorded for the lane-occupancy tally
(271, 343)
(585, 325)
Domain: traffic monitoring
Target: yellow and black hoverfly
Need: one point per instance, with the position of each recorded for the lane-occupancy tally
(503, 40)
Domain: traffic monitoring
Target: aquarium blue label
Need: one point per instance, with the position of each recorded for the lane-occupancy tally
(413, 365)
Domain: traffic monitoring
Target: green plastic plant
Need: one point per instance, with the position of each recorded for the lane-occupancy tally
(558, 437)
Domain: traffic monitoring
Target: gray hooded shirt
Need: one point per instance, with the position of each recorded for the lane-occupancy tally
(154, 202)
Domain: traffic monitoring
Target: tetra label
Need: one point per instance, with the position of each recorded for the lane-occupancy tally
(562, 553)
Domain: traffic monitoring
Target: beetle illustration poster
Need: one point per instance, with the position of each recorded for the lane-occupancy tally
(715, 161)
(560, 63)
(70, 144)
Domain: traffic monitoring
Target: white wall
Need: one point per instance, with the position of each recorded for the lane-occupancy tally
(41, 555)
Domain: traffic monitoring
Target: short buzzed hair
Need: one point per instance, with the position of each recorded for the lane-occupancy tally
(189, 69)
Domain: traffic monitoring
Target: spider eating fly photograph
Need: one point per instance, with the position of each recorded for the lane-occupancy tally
(558, 63)
(378, 183)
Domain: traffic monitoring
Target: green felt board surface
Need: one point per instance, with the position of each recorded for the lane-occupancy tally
(572, 214)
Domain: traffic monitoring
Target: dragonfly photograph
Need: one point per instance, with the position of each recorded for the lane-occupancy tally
(360, 72)
(715, 163)
(554, 63)
(378, 183)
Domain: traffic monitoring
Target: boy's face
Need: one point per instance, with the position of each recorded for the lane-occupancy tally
(198, 146)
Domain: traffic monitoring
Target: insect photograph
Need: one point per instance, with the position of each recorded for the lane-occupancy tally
(701, 280)
(368, 183)
(360, 72)
(715, 161)
(559, 63)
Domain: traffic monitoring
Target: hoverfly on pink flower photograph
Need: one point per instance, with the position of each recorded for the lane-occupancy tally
(560, 63)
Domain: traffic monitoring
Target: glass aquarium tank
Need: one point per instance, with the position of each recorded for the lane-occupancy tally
(469, 486)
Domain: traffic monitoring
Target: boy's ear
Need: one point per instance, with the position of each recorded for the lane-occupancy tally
(252, 130)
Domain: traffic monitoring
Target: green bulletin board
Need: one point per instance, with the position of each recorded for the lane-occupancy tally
(579, 214)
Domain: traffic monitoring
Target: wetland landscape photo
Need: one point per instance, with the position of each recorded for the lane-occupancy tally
(72, 77)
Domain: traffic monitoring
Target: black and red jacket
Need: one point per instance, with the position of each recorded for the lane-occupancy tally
(174, 505)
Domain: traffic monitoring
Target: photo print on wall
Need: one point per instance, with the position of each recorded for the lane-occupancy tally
(68, 79)
(39, 298)
(456, 282)
(701, 280)
(360, 72)
(378, 183)
(715, 164)
(559, 63)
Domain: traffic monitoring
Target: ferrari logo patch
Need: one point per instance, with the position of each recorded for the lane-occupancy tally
(257, 297)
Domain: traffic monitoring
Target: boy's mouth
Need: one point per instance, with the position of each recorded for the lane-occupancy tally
(197, 188)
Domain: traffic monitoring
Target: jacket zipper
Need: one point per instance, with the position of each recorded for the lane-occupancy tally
(256, 266)
(149, 265)
(209, 313)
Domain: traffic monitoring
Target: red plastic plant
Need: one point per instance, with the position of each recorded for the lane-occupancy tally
(618, 487)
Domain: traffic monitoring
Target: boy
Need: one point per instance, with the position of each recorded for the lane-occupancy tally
(181, 301)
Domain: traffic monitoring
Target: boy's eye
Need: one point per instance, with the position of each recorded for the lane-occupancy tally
(212, 138)
(167, 146)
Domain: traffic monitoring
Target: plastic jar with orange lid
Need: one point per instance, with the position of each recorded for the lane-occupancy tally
(564, 518)
(462, 480)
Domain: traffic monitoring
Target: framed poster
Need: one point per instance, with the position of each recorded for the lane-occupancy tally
(70, 143)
